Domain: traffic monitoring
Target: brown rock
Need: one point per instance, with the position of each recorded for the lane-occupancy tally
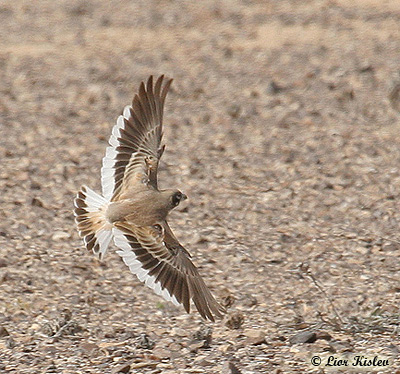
(202, 336)
(123, 368)
(140, 365)
(303, 337)
(161, 353)
(89, 347)
(249, 301)
(60, 235)
(341, 346)
(230, 368)
(37, 202)
(324, 335)
(254, 336)
(202, 361)
(3, 332)
(179, 331)
(175, 347)
(195, 346)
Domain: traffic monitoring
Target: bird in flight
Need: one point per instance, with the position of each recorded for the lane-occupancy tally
(133, 210)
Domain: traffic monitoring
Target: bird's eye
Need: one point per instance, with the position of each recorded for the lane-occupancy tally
(176, 198)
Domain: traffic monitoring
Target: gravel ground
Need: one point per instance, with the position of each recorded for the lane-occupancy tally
(282, 126)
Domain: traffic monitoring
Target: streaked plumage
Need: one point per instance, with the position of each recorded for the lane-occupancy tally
(133, 211)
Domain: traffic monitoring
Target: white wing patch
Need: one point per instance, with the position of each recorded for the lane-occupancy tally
(135, 266)
(127, 112)
(93, 200)
(103, 238)
(109, 161)
(107, 171)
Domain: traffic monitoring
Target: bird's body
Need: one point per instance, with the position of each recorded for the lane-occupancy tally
(133, 210)
(146, 208)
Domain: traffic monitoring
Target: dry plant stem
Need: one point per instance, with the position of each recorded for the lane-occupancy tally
(306, 270)
(62, 329)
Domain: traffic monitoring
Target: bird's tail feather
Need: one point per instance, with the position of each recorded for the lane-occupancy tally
(93, 227)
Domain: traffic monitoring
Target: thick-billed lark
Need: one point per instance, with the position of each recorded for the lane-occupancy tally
(133, 211)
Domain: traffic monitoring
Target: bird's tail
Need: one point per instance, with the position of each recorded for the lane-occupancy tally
(90, 216)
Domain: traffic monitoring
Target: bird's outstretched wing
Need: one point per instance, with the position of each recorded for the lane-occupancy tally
(131, 161)
(165, 267)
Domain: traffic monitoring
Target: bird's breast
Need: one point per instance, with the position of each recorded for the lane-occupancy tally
(144, 211)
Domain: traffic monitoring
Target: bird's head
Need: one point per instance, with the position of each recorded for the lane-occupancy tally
(176, 197)
(172, 198)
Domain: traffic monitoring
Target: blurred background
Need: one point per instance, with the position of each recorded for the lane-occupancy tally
(282, 127)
